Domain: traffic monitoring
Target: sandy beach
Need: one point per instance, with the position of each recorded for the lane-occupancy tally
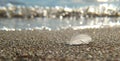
(50, 45)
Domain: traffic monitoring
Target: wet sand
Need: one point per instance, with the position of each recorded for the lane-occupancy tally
(49, 45)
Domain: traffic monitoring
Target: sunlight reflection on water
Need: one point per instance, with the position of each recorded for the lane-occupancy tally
(57, 24)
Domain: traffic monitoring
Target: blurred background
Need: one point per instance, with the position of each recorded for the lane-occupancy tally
(58, 14)
(50, 3)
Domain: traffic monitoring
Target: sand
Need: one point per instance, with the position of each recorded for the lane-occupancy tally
(49, 45)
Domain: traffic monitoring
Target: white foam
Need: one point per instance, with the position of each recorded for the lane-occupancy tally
(7, 29)
(42, 28)
(85, 27)
(102, 0)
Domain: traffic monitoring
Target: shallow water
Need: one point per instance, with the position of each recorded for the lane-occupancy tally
(57, 24)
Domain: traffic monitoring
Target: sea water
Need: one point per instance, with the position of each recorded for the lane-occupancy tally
(49, 23)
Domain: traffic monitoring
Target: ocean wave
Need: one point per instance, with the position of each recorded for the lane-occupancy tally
(102, 10)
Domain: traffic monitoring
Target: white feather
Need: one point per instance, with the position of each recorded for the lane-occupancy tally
(80, 39)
